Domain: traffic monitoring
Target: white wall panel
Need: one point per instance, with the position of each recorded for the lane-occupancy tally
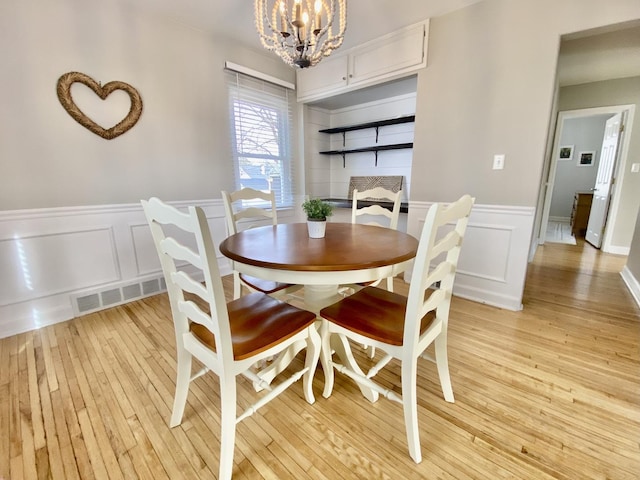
(147, 261)
(493, 261)
(52, 263)
(49, 257)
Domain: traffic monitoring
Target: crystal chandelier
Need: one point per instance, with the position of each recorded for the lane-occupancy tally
(301, 32)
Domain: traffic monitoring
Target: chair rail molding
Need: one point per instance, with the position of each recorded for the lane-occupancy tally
(494, 257)
(59, 263)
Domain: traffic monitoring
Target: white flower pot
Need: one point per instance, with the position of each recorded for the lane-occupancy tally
(316, 228)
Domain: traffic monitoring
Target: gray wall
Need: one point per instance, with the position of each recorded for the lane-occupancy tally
(488, 88)
(179, 149)
(585, 134)
(633, 261)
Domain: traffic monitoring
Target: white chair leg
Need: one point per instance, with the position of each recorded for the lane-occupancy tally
(442, 363)
(410, 407)
(325, 359)
(228, 426)
(183, 378)
(311, 362)
(237, 286)
(390, 284)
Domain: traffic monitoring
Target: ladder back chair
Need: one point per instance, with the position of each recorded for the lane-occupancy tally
(376, 215)
(403, 327)
(226, 338)
(250, 217)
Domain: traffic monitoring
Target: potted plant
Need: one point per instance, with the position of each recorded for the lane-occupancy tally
(317, 211)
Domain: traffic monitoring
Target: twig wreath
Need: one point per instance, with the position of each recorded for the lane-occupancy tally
(64, 95)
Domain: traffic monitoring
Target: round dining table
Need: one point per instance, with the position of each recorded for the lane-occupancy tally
(348, 254)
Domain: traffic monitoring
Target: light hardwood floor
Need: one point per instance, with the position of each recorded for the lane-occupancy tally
(552, 391)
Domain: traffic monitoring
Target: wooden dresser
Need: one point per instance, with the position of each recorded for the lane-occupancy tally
(580, 213)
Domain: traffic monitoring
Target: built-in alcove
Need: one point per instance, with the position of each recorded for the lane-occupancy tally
(361, 124)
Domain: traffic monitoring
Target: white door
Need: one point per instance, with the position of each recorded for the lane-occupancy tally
(602, 191)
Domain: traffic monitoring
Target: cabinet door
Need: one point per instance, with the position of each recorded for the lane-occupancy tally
(391, 55)
(327, 76)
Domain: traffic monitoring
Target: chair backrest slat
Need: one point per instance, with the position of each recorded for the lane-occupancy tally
(188, 284)
(195, 314)
(377, 193)
(241, 212)
(438, 274)
(445, 244)
(178, 251)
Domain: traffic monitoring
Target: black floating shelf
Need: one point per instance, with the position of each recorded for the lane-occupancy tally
(376, 149)
(379, 123)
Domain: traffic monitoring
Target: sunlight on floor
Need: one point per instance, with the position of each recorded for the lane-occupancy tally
(559, 232)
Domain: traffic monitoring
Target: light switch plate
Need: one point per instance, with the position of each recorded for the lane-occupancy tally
(498, 162)
(635, 167)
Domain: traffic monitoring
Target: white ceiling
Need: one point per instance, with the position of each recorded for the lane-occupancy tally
(233, 19)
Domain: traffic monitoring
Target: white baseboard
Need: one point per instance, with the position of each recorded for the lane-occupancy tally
(617, 250)
(24, 320)
(632, 284)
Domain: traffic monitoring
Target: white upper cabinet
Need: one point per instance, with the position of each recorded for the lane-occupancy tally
(386, 58)
(327, 76)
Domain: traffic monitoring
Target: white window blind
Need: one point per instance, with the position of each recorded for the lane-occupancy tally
(261, 116)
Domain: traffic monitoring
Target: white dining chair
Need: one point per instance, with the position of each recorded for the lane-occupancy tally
(228, 339)
(245, 208)
(375, 215)
(403, 327)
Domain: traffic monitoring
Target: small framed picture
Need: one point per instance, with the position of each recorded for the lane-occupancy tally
(566, 152)
(586, 159)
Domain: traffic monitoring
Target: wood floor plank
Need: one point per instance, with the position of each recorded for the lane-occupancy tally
(550, 392)
(53, 457)
(26, 419)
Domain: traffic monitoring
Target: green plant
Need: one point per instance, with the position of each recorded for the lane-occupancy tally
(317, 209)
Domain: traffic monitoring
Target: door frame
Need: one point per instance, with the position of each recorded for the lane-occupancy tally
(628, 112)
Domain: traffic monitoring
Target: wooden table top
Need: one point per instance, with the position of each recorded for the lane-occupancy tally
(345, 247)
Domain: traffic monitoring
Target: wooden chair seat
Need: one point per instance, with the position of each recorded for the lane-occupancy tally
(374, 313)
(257, 323)
(261, 285)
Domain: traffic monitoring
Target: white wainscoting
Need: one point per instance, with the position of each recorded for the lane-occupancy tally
(493, 262)
(51, 257)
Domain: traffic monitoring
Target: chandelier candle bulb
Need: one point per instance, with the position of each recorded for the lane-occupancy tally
(305, 20)
(318, 9)
(298, 7)
(283, 17)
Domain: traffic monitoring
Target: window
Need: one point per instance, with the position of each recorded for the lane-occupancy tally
(261, 122)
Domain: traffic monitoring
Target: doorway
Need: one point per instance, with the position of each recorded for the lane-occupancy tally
(563, 153)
